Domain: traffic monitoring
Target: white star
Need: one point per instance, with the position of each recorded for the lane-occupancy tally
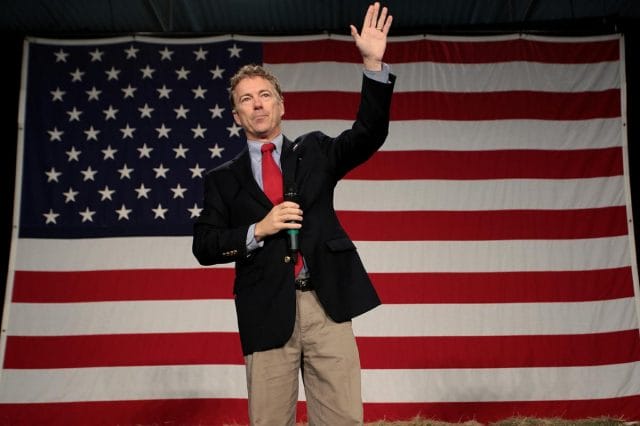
(198, 92)
(163, 131)
(55, 134)
(127, 132)
(145, 151)
(94, 94)
(183, 74)
(142, 191)
(73, 154)
(52, 175)
(131, 52)
(129, 92)
(217, 73)
(109, 153)
(88, 174)
(181, 151)
(159, 211)
(147, 72)
(125, 172)
(165, 54)
(74, 114)
(146, 111)
(76, 75)
(61, 55)
(106, 193)
(110, 113)
(163, 92)
(123, 212)
(234, 51)
(178, 192)
(87, 215)
(234, 130)
(96, 55)
(181, 112)
(57, 95)
(201, 54)
(195, 210)
(216, 111)
(196, 171)
(112, 74)
(216, 151)
(198, 132)
(161, 171)
(70, 195)
(92, 133)
(50, 217)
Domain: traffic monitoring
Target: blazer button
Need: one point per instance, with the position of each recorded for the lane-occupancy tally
(287, 259)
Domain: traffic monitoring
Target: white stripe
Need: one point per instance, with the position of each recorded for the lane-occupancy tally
(187, 316)
(457, 78)
(123, 383)
(498, 319)
(383, 386)
(495, 256)
(472, 195)
(501, 384)
(70, 319)
(378, 256)
(415, 135)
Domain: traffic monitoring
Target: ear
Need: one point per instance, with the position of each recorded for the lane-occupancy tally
(235, 117)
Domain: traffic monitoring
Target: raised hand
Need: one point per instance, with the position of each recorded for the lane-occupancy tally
(372, 40)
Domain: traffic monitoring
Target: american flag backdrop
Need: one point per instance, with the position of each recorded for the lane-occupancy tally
(495, 223)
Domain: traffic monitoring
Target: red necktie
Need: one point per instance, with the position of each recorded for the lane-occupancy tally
(272, 184)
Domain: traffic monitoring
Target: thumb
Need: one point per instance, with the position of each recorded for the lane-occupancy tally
(354, 32)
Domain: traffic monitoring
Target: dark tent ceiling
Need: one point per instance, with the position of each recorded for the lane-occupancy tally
(298, 16)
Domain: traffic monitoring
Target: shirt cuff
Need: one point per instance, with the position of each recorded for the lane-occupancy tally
(381, 76)
(252, 244)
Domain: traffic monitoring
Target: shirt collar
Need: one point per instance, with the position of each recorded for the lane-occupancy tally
(254, 146)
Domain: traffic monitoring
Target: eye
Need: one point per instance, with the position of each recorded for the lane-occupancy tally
(265, 95)
(244, 99)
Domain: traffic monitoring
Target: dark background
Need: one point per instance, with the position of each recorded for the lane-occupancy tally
(194, 18)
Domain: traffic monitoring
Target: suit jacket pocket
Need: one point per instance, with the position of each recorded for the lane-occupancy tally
(247, 278)
(340, 244)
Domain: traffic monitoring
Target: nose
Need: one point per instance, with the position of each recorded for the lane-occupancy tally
(257, 103)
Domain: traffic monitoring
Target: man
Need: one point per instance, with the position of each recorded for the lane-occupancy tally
(294, 307)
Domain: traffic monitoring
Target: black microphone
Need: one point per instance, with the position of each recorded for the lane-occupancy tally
(291, 194)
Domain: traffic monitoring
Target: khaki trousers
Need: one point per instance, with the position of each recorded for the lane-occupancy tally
(326, 352)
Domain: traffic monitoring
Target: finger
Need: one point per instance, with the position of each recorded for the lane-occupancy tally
(368, 18)
(387, 25)
(381, 20)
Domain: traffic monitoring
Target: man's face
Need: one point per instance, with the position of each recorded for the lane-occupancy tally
(258, 109)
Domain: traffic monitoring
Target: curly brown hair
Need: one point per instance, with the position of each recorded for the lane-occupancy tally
(250, 71)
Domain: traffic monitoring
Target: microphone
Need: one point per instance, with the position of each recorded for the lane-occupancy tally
(291, 194)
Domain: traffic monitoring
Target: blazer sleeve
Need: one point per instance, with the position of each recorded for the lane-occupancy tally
(215, 239)
(356, 145)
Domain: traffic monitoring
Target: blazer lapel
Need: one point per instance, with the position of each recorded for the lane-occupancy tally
(242, 169)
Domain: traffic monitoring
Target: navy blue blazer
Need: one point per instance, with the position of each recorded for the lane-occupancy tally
(263, 288)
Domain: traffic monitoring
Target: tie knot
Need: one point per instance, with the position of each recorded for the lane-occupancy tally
(267, 147)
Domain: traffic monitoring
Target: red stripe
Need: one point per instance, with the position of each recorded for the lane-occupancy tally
(46, 352)
(491, 287)
(485, 225)
(504, 287)
(207, 411)
(616, 408)
(461, 106)
(503, 164)
(117, 350)
(134, 284)
(447, 51)
(499, 351)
